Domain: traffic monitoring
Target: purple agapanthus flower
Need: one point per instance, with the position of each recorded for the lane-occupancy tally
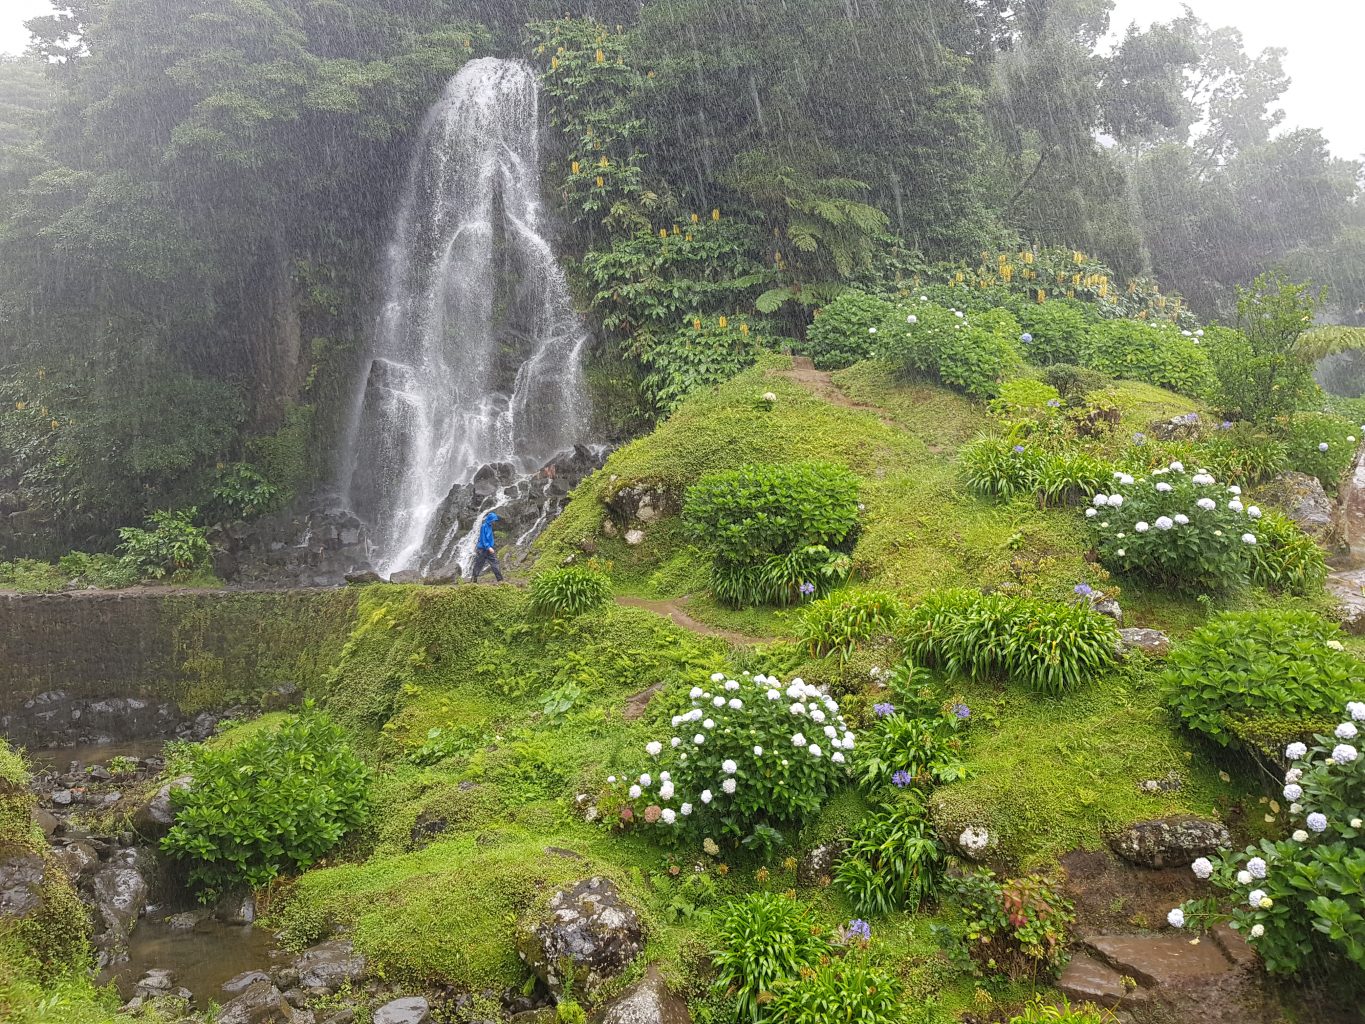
(962, 711)
(1054, 403)
(1018, 449)
(808, 588)
(1190, 417)
(1084, 589)
(883, 710)
(1139, 438)
(902, 779)
(858, 929)
(1225, 425)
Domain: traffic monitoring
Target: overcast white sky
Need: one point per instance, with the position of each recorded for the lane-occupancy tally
(1325, 39)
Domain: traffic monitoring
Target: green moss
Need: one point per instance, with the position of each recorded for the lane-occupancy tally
(943, 418)
(1053, 775)
(1140, 405)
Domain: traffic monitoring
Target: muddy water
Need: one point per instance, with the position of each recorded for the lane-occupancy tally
(88, 754)
(202, 958)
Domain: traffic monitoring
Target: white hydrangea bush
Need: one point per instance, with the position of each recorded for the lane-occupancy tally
(1300, 901)
(1175, 527)
(743, 752)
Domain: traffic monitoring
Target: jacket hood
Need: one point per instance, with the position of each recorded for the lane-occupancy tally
(492, 517)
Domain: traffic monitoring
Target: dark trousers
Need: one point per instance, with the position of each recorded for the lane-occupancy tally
(487, 558)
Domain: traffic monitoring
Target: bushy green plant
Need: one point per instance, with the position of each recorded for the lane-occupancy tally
(1321, 445)
(893, 861)
(1176, 528)
(916, 740)
(773, 531)
(1245, 671)
(1056, 332)
(1299, 900)
(1286, 559)
(846, 989)
(765, 939)
(997, 467)
(172, 544)
(98, 570)
(1242, 453)
(972, 354)
(836, 624)
(1075, 381)
(243, 492)
(845, 331)
(742, 754)
(1049, 646)
(1158, 354)
(275, 802)
(1043, 1011)
(1017, 927)
(701, 353)
(568, 591)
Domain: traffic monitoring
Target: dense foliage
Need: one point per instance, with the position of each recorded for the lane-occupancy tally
(276, 802)
(1014, 926)
(569, 590)
(765, 939)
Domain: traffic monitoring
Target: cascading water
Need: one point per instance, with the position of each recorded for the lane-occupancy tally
(477, 354)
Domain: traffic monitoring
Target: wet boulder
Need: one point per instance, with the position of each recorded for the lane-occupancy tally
(585, 936)
(1169, 842)
(21, 885)
(154, 817)
(260, 1003)
(1151, 642)
(324, 968)
(413, 1010)
(648, 1001)
(817, 864)
(1302, 498)
(119, 892)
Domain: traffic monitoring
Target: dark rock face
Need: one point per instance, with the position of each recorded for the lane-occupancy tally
(21, 882)
(260, 1003)
(59, 718)
(155, 816)
(586, 929)
(648, 1001)
(1169, 842)
(1177, 428)
(1110, 608)
(1302, 499)
(119, 891)
(643, 503)
(818, 863)
(413, 1010)
(326, 967)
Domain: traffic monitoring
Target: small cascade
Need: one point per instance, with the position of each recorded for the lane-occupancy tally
(473, 390)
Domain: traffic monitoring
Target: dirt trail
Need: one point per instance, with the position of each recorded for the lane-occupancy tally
(819, 383)
(673, 610)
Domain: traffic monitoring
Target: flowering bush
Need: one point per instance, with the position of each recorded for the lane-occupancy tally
(1050, 646)
(773, 528)
(1015, 927)
(1321, 445)
(845, 331)
(971, 354)
(1241, 453)
(916, 743)
(1285, 558)
(765, 939)
(1174, 527)
(745, 754)
(1056, 331)
(893, 861)
(844, 989)
(1261, 677)
(837, 623)
(1300, 901)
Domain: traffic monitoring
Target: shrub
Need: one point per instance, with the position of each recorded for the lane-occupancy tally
(1049, 646)
(1245, 671)
(1320, 445)
(1285, 558)
(744, 755)
(1042, 1011)
(1064, 478)
(845, 331)
(1177, 529)
(172, 544)
(243, 492)
(1299, 901)
(1057, 332)
(1075, 381)
(700, 353)
(568, 591)
(1159, 355)
(1025, 396)
(846, 989)
(773, 529)
(893, 861)
(971, 354)
(997, 468)
(837, 623)
(1242, 453)
(276, 802)
(1017, 927)
(916, 742)
(765, 939)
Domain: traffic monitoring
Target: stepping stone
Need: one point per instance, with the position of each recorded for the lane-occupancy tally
(1087, 980)
(1157, 960)
(1234, 946)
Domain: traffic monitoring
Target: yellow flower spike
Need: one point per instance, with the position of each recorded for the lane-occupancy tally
(573, 167)
(649, 74)
(604, 162)
(1071, 293)
(1028, 256)
(696, 325)
(687, 237)
(715, 214)
(54, 424)
(722, 322)
(1042, 296)
(1075, 279)
(554, 63)
(601, 182)
(696, 219)
(663, 232)
(601, 57)
(21, 406)
(744, 329)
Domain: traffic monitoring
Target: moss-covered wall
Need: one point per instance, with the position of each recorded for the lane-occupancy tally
(198, 649)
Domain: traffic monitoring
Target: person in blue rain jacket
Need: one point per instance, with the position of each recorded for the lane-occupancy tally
(486, 554)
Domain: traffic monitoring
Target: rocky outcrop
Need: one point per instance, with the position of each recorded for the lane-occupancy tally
(260, 1003)
(154, 817)
(21, 885)
(1169, 842)
(1302, 498)
(1151, 642)
(1177, 428)
(412, 1010)
(817, 864)
(324, 968)
(648, 1001)
(586, 936)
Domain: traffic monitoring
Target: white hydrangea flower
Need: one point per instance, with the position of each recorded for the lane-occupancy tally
(1100, 500)
(815, 750)
(611, 780)
(699, 739)
(1202, 867)
(729, 767)
(634, 792)
(736, 703)
(1181, 519)
(831, 732)
(1091, 513)
(718, 702)
(1346, 731)
(1249, 538)
(675, 741)
(798, 740)
(1235, 505)
(1322, 446)
(1257, 867)
(974, 838)
(1356, 709)
(758, 751)
(730, 684)
(1141, 527)
(706, 797)
(668, 816)
(654, 748)
(664, 776)
(773, 695)
(1202, 479)
(646, 781)
(1115, 500)
(710, 723)
(1163, 487)
(837, 757)
(717, 677)
(1295, 751)
(666, 791)
(1125, 480)
(797, 709)
(1176, 918)
(1254, 897)
(695, 692)
(1293, 791)
(1344, 753)
(1163, 523)
(1207, 504)
(848, 741)
(1234, 489)
(1316, 822)
(817, 715)
(1356, 823)
(1121, 552)
(912, 319)
(1257, 930)
(1295, 808)
(685, 810)
(1299, 836)
(1177, 467)
(1244, 877)
(1254, 512)
(728, 785)
(1293, 775)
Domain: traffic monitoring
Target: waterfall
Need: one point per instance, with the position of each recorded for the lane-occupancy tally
(476, 358)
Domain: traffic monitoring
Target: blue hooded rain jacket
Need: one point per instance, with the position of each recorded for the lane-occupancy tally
(486, 532)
